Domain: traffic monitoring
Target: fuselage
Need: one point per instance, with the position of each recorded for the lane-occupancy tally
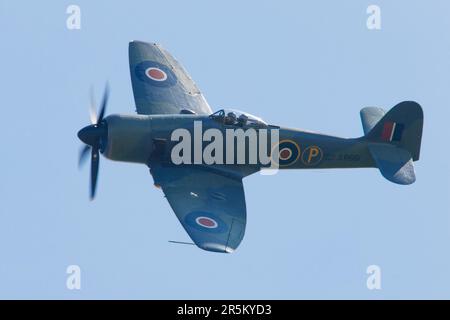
(143, 138)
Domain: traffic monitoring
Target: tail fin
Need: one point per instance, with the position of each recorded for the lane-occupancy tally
(402, 127)
(394, 141)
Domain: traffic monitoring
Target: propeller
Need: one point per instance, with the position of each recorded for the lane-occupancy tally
(94, 136)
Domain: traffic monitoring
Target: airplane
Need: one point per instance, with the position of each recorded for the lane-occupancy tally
(208, 199)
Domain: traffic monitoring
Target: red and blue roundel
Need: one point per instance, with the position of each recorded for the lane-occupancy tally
(288, 152)
(205, 221)
(155, 73)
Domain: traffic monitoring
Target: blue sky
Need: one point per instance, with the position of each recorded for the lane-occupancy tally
(304, 64)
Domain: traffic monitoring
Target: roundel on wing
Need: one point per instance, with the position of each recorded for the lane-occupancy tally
(155, 73)
(288, 152)
(205, 221)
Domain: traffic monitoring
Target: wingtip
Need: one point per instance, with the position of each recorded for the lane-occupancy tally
(137, 42)
(215, 247)
(229, 250)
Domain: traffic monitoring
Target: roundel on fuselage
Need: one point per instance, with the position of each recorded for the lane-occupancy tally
(288, 152)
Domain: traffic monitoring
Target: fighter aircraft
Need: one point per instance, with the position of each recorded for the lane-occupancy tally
(207, 196)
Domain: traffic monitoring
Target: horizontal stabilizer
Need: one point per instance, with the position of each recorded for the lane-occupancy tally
(395, 163)
(370, 117)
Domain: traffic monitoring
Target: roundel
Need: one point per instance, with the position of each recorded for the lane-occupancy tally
(155, 73)
(288, 153)
(285, 154)
(205, 221)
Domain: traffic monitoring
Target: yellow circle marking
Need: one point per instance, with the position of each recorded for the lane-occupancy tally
(312, 155)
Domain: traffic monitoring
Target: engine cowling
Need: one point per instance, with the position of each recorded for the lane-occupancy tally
(129, 138)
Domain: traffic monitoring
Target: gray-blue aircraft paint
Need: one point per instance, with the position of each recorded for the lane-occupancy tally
(209, 200)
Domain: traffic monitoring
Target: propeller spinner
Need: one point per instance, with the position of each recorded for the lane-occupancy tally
(94, 136)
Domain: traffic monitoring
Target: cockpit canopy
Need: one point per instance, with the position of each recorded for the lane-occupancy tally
(237, 118)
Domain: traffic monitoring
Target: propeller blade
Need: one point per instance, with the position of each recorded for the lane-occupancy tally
(94, 170)
(92, 136)
(92, 108)
(83, 155)
(104, 103)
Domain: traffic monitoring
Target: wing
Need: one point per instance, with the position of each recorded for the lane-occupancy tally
(210, 206)
(160, 84)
